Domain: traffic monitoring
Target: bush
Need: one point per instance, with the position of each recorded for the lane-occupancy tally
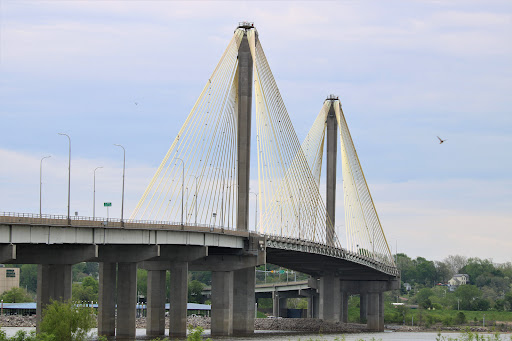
(460, 318)
(67, 321)
(448, 321)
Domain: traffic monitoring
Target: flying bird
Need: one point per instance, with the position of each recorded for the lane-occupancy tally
(136, 103)
(440, 140)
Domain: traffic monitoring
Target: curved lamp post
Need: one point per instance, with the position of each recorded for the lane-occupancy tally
(41, 182)
(69, 176)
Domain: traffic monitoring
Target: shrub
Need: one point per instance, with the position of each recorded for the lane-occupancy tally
(460, 318)
(67, 321)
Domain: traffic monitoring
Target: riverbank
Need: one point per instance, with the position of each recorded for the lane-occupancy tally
(290, 324)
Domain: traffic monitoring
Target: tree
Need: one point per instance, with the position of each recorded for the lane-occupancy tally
(425, 271)
(443, 272)
(142, 282)
(194, 291)
(66, 321)
(28, 277)
(455, 263)
(467, 294)
(86, 291)
(16, 295)
(422, 297)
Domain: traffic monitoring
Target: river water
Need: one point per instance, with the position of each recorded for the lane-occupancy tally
(287, 336)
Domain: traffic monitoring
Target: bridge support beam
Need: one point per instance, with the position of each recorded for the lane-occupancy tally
(126, 300)
(222, 303)
(330, 298)
(106, 299)
(332, 152)
(53, 283)
(244, 301)
(178, 299)
(245, 70)
(155, 322)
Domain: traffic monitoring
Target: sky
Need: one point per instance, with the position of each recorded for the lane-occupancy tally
(405, 71)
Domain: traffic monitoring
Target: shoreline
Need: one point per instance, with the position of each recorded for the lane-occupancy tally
(295, 325)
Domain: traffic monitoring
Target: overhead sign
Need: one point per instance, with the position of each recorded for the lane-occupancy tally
(107, 204)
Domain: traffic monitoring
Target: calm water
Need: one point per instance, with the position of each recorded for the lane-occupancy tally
(287, 336)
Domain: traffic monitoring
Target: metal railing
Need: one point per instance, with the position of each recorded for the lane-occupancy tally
(84, 221)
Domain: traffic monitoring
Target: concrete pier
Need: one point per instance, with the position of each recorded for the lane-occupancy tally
(155, 321)
(344, 307)
(106, 299)
(330, 298)
(222, 303)
(373, 312)
(126, 300)
(363, 304)
(53, 283)
(244, 301)
(178, 298)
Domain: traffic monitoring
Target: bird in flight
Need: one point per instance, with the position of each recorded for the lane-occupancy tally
(440, 140)
(136, 103)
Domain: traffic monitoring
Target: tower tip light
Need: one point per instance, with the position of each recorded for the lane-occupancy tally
(246, 25)
(332, 97)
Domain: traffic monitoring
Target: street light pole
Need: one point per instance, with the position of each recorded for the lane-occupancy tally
(122, 198)
(256, 210)
(41, 183)
(182, 185)
(94, 194)
(69, 176)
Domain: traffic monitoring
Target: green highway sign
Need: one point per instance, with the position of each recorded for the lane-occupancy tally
(107, 204)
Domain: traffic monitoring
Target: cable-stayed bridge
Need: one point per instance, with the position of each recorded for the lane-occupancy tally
(194, 213)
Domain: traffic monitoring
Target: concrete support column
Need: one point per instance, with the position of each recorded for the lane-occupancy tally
(245, 70)
(283, 307)
(126, 300)
(106, 299)
(344, 307)
(53, 283)
(381, 311)
(373, 312)
(332, 150)
(178, 300)
(222, 303)
(312, 306)
(363, 305)
(330, 298)
(275, 303)
(244, 301)
(155, 322)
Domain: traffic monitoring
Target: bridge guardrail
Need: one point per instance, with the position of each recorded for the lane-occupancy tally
(100, 222)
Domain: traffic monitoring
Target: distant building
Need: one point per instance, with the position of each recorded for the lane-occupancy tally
(407, 287)
(9, 278)
(458, 279)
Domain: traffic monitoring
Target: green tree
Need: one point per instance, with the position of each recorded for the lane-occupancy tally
(142, 282)
(28, 277)
(67, 321)
(467, 294)
(422, 297)
(16, 295)
(194, 291)
(86, 291)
